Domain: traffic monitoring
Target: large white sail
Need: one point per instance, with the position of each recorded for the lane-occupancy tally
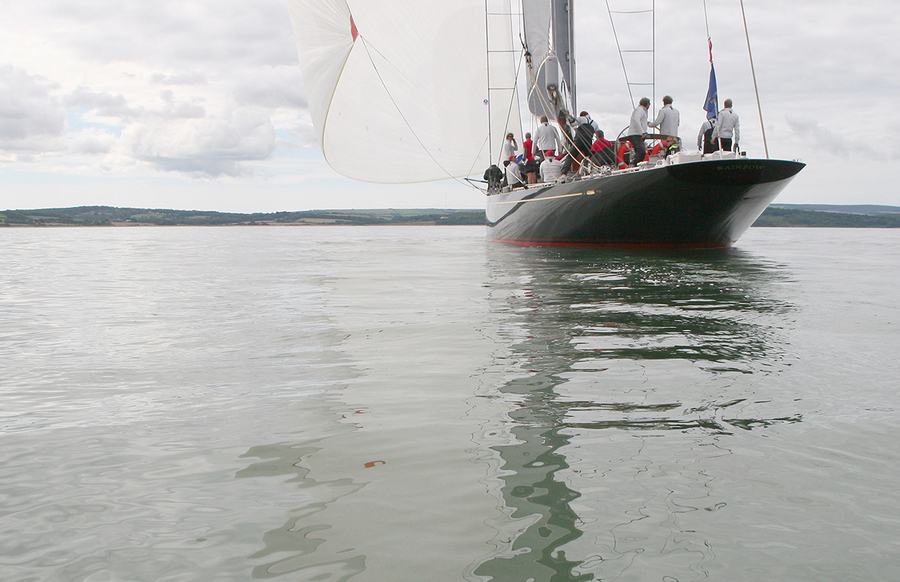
(399, 89)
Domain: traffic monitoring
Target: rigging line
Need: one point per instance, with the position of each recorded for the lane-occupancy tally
(513, 98)
(475, 161)
(533, 82)
(566, 140)
(511, 14)
(488, 141)
(514, 93)
(548, 106)
(541, 95)
(755, 87)
(536, 90)
(542, 98)
(487, 75)
(619, 48)
(402, 116)
(478, 154)
(386, 60)
(368, 45)
(530, 72)
(488, 84)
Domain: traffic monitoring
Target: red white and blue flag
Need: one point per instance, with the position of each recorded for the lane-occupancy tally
(711, 106)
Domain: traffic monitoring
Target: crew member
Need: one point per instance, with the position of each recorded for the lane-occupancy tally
(728, 128)
(637, 131)
(668, 119)
(545, 137)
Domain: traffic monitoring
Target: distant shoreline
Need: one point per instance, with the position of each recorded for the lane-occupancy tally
(236, 224)
(133, 217)
(777, 215)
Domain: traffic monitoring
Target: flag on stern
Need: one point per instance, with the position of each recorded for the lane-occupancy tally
(711, 106)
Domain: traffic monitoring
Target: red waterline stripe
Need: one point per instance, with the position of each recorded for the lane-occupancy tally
(618, 245)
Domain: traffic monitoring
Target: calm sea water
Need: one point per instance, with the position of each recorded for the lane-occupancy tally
(408, 404)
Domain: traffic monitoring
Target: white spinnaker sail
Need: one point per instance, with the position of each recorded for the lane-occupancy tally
(398, 89)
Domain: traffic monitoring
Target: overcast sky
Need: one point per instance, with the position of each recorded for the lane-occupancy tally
(199, 104)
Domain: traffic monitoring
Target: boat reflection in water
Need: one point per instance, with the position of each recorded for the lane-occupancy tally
(287, 549)
(628, 381)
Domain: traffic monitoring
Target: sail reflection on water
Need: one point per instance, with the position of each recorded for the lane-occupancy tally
(625, 378)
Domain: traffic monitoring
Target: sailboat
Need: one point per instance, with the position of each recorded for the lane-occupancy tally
(402, 91)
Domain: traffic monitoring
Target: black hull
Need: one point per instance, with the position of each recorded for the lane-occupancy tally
(704, 204)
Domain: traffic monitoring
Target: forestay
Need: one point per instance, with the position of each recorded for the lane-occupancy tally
(398, 90)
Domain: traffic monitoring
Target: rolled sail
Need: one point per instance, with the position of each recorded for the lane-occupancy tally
(548, 37)
(406, 91)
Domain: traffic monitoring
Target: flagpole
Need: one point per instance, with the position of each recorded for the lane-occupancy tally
(706, 19)
(712, 93)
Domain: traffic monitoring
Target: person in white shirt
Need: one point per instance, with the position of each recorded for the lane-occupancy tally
(637, 131)
(668, 119)
(510, 147)
(551, 168)
(728, 128)
(545, 137)
(705, 142)
(585, 117)
(513, 174)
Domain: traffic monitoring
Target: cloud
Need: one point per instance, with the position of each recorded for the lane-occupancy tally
(305, 133)
(199, 87)
(197, 35)
(92, 142)
(823, 140)
(178, 79)
(208, 147)
(178, 109)
(31, 119)
(272, 87)
(184, 110)
(104, 104)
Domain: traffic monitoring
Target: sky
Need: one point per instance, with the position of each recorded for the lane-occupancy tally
(200, 104)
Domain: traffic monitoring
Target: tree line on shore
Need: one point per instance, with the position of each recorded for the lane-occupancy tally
(112, 216)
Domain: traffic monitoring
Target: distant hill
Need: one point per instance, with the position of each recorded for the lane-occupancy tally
(112, 216)
(796, 215)
(789, 215)
(872, 209)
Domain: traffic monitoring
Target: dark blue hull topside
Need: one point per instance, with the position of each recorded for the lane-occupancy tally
(703, 204)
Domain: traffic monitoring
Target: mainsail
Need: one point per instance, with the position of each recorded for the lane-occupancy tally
(404, 90)
(548, 38)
